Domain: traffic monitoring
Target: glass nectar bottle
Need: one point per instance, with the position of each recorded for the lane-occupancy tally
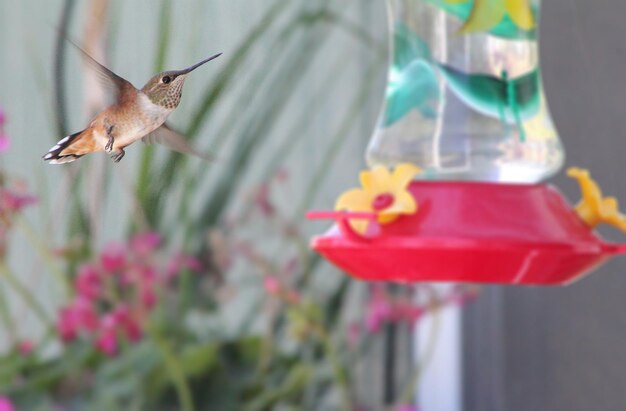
(464, 98)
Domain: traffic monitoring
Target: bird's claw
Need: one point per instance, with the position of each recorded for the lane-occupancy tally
(118, 156)
(109, 146)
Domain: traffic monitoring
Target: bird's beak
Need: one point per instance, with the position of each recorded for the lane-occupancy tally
(195, 66)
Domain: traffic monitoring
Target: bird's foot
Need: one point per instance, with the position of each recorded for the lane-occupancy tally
(109, 147)
(117, 156)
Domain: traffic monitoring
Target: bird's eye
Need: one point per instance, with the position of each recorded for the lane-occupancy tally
(166, 79)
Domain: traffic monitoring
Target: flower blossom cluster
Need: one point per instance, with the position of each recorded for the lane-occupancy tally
(274, 287)
(12, 199)
(384, 308)
(116, 293)
(6, 404)
(4, 138)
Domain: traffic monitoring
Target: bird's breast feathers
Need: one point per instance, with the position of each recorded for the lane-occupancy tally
(130, 128)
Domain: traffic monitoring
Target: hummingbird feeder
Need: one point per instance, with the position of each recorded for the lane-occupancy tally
(464, 141)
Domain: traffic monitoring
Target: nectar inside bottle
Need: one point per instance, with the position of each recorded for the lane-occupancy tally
(464, 98)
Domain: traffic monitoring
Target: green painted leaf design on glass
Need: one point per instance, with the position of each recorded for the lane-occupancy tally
(412, 79)
(510, 100)
(504, 27)
(408, 47)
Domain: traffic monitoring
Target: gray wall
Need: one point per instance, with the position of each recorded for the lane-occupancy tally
(565, 348)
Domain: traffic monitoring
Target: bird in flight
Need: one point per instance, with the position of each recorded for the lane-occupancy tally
(136, 114)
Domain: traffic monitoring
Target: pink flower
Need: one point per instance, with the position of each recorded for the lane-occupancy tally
(5, 403)
(292, 297)
(379, 310)
(130, 325)
(405, 407)
(145, 243)
(147, 296)
(182, 262)
(353, 335)
(132, 329)
(67, 326)
(88, 282)
(107, 340)
(113, 257)
(5, 142)
(107, 344)
(78, 315)
(382, 307)
(116, 294)
(408, 312)
(14, 202)
(147, 274)
(263, 202)
(25, 347)
(85, 313)
(272, 285)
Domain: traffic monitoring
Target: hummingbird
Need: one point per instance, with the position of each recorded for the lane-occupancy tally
(136, 114)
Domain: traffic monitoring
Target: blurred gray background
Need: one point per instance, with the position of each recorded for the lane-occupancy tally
(565, 348)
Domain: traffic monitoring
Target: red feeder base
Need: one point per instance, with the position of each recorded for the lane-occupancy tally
(471, 233)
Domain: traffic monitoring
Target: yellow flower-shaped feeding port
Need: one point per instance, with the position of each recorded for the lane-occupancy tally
(383, 193)
(593, 208)
(487, 14)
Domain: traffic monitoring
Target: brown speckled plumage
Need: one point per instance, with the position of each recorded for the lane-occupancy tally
(165, 94)
(136, 114)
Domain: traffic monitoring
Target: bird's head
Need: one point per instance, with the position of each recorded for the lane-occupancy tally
(166, 88)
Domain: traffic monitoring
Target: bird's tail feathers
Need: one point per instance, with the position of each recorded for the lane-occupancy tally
(56, 156)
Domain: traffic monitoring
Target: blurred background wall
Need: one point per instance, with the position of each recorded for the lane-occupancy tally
(564, 348)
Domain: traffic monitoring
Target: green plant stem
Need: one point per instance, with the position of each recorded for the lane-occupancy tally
(267, 349)
(59, 67)
(175, 370)
(294, 382)
(5, 315)
(26, 295)
(339, 372)
(45, 253)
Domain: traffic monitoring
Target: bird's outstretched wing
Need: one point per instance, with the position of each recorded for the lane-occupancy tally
(174, 141)
(119, 87)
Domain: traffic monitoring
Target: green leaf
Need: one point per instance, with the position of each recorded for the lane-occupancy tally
(293, 384)
(198, 360)
(496, 97)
